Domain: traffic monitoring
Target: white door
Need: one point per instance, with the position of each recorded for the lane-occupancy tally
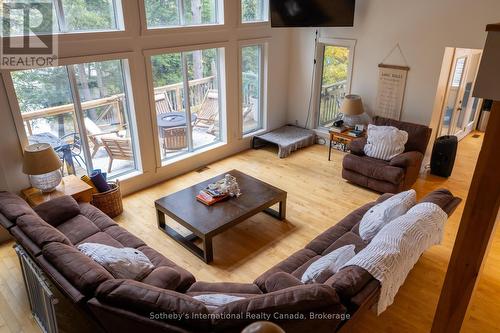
(460, 110)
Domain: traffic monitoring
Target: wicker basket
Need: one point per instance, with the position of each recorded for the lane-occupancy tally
(109, 202)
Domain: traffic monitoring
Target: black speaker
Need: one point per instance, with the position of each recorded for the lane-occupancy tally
(443, 155)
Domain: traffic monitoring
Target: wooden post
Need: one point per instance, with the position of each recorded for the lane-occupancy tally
(116, 106)
(28, 126)
(474, 233)
(178, 99)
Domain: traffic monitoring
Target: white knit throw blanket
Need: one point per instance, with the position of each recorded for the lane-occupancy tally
(397, 247)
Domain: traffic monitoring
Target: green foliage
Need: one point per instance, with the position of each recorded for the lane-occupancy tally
(336, 64)
(82, 15)
(251, 70)
(167, 69)
(166, 13)
(251, 10)
(162, 13)
(41, 88)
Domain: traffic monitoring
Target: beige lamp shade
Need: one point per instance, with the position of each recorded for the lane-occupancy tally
(352, 106)
(40, 159)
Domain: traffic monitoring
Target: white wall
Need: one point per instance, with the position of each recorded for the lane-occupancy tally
(134, 41)
(423, 29)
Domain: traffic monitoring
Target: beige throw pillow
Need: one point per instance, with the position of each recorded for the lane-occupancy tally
(213, 301)
(383, 213)
(333, 261)
(122, 263)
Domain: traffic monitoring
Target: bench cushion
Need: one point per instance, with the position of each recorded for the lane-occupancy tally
(81, 271)
(12, 206)
(40, 232)
(58, 210)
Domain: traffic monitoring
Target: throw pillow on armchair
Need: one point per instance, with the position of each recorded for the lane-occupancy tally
(385, 142)
(384, 174)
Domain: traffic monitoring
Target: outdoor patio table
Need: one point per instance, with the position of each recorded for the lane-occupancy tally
(173, 119)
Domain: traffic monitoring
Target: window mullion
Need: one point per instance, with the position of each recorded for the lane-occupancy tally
(261, 86)
(79, 117)
(180, 9)
(262, 10)
(63, 26)
(187, 101)
(219, 91)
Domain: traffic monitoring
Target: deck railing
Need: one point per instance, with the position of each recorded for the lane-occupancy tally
(113, 112)
(111, 115)
(173, 94)
(331, 101)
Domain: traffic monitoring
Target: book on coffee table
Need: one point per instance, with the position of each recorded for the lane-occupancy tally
(208, 199)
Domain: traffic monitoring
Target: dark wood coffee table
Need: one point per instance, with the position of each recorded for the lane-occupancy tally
(205, 222)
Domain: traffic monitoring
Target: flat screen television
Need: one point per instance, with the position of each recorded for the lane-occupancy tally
(312, 13)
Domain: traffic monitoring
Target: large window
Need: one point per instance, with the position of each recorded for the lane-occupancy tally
(83, 112)
(178, 13)
(64, 16)
(254, 11)
(335, 78)
(252, 72)
(187, 93)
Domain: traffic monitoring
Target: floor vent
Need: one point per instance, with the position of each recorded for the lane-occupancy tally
(200, 170)
(41, 298)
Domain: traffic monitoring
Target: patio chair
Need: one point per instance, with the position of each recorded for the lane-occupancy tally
(118, 149)
(94, 133)
(174, 139)
(75, 145)
(163, 104)
(208, 110)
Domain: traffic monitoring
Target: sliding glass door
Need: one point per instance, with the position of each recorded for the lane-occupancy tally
(187, 97)
(83, 112)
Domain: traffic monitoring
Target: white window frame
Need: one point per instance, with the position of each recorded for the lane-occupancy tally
(145, 30)
(264, 78)
(318, 77)
(223, 47)
(127, 62)
(265, 21)
(63, 29)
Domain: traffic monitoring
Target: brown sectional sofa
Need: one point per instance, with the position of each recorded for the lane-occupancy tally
(50, 232)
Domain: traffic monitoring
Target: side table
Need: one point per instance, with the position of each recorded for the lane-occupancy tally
(70, 185)
(342, 139)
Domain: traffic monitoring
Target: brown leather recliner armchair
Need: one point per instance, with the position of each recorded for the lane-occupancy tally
(396, 175)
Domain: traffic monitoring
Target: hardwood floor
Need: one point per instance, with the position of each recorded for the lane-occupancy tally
(317, 199)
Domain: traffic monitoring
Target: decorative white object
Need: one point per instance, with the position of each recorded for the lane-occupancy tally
(381, 214)
(227, 185)
(213, 301)
(122, 263)
(333, 261)
(385, 142)
(397, 247)
(391, 87)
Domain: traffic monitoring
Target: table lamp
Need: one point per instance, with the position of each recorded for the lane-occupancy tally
(42, 165)
(353, 111)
